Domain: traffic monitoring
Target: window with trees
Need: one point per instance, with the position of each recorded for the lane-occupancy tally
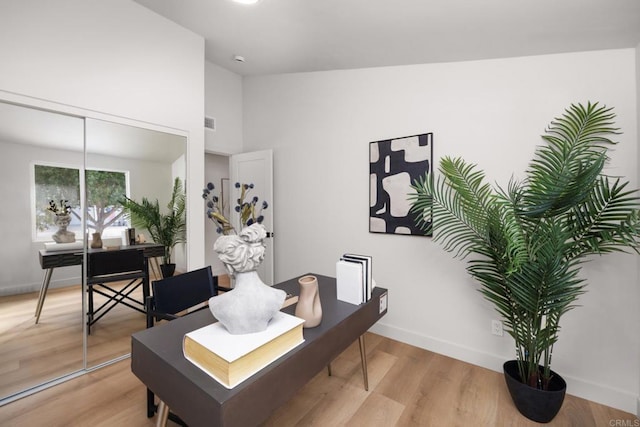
(104, 189)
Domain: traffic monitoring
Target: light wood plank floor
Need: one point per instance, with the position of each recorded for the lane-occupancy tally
(32, 353)
(408, 386)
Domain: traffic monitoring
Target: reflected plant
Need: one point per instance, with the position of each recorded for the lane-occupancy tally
(250, 210)
(63, 209)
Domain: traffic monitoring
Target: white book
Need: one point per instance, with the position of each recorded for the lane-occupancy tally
(231, 359)
(367, 262)
(349, 281)
(53, 246)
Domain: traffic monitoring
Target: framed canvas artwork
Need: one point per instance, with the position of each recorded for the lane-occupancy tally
(394, 164)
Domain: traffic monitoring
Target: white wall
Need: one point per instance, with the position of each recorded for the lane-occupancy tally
(490, 112)
(223, 101)
(115, 60)
(216, 167)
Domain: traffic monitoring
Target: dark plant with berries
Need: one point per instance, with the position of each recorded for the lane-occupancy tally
(63, 209)
(249, 210)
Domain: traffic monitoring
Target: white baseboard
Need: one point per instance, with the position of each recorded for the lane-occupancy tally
(615, 398)
(35, 287)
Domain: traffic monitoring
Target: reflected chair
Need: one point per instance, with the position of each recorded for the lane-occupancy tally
(107, 267)
(173, 297)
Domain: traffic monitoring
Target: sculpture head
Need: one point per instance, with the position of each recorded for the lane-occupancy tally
(63, 221)
(243, 252)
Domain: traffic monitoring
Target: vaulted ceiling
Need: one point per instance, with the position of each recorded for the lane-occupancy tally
(283, 36)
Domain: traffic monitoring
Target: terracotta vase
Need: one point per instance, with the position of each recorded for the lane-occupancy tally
(309, 307)
(96, 241)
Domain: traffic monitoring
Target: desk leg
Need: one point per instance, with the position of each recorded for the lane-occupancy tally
(363, 359)
(146, 289)
(43, 292)
(163, 414)
(155, 268)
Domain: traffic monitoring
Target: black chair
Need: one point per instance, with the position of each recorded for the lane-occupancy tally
(106, 267)
(171, 297)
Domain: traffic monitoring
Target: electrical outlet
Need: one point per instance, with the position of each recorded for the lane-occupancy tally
(383, 303)
(496, 328)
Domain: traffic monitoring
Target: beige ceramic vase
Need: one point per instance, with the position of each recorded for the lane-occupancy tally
(96, 242)
(309, 307)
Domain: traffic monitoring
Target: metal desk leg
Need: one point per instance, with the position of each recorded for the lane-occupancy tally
(163, 414)
(43, 292)
(363, 359)
(155, 268)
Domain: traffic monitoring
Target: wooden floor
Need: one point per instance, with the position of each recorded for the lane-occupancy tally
(407, 387)
(32, 353)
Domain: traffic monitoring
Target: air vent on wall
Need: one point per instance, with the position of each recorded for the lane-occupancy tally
(210, 123)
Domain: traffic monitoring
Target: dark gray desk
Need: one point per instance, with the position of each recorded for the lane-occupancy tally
(49, 260)
(157, 360)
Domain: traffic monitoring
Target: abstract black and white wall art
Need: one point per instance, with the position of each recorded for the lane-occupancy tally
(394, 165)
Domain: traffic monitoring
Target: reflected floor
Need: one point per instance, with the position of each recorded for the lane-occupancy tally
(34, 353)
(31, 354)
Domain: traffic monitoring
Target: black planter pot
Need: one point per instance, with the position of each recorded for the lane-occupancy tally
(167, 270)
(537, 405)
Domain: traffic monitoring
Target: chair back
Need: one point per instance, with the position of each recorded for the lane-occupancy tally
(172, 295)
(178, 293)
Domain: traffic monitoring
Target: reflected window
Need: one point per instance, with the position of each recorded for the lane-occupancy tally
(58, 187)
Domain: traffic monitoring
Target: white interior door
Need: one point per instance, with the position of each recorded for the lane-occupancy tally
(256, 168)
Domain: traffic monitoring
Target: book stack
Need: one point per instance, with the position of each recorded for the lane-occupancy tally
(353, 278)
(231, 359)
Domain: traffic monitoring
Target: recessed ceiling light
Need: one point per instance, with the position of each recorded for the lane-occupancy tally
(246, 1)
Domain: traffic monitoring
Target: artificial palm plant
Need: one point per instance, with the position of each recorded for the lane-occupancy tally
(167, 229)
(528, 240)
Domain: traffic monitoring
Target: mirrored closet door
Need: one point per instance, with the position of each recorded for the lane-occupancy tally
(42, 154)
(123, 160)
(84, 166)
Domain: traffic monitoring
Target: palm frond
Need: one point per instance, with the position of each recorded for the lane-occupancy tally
(563, 171)
(166, 229)
(607, 221)
(460, 202)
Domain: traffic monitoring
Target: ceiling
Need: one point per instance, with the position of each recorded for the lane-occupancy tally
(284, 36)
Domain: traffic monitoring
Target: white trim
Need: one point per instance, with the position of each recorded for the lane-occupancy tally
(55, 107)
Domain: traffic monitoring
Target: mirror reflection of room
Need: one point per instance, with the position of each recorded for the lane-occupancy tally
(59, 195)
(150, 161)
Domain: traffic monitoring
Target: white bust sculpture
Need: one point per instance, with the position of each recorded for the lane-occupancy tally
(250, 306)
(63, 235)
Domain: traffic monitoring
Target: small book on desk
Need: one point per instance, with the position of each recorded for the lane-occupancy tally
(354, 281)
(231, 359)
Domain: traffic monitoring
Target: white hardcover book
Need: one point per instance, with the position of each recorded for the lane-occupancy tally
(368, 275)
(53, 246)
(349, 280)
(231, 349)
(363, 265)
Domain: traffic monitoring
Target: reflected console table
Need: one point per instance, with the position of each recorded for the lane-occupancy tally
(157, 360)
(49, 260)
